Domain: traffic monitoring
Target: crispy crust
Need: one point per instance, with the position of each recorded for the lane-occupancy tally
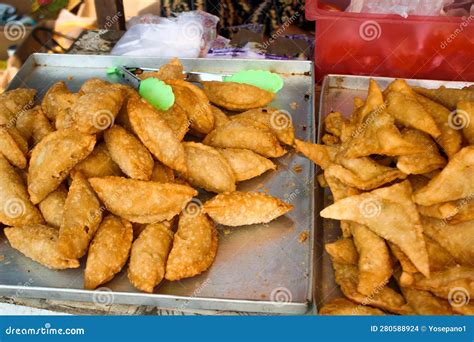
(237, 96)
(52, 207)
(53, 158)
(246, 164)
(10, 149)
(242, 208)
(194, 247)
(98, 164)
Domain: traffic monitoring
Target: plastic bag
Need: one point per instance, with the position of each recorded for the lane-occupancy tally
(189, 34)
(402, 7)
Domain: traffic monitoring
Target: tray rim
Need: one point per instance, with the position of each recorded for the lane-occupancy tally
(164, 300)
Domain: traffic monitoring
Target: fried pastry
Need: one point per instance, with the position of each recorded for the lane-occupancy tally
(372, 105)
(156, 135)
(177, 120)
(425, 303)
(330, 140)
(96, 111)
(385, 298)
(33, 125)
(465, 114)
(453, 212)
(195, 103)
(52, 207)
(278, 121)
(11, 149)
(457, 239)
(450, 139)
(148, 257)
(57, 100)
(38, 243)
(405, 108)
(207, 168)
(344, 307)
(420, 163)
(98, 164)
(194, 247)
(220, 118)
(333, 123)
(128, 153)
(246, 164)
(173, 70)
(162, 173)
(450, 184)
(343, 251)
(246, 134)
(82, 216)
(13, 103)
(390, 213)
(15, 206)
(377, 135)
(108, 251)
(375, 266)
(446, 96)
(236, 96)
(242, 208)
(141, 201)
(53, 158)
(93, 85)
(322, 155)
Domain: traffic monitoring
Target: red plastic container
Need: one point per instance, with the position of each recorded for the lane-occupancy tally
(389, 45)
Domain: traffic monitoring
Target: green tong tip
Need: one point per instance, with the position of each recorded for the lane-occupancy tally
(157, 93)
(263, 79)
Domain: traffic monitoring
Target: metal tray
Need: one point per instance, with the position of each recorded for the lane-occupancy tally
(259, 268)
(337, 94)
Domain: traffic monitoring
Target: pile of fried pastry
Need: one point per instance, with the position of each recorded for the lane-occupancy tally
(103, 175)
(400, 170)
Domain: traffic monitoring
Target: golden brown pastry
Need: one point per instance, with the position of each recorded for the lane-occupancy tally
(465, 116)
(148, 257)
(129, 153)
(38, 242)
(15, 206)
(52, 207)
(246, 164)
(194, 247)
(344, 307)
(207, 168)
(246, 134)
(13, 103)
(141, 201)
(96, 111)
(58, 100)
(173, 70)
(220, 118)
(195, 103)
(98, 164)
(53, 158)
(446, 96)
(82, 216)
(450, 184)
(236, 96)
(177, 120)
(108, 251)
(277, 120)
(156, 135)
(162, 173)
(242, 208)
(10, 149)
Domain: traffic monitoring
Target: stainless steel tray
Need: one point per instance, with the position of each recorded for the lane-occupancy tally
(259, 268)
(337, 94)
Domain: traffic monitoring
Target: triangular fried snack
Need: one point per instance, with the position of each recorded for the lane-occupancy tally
(425, 303)
(375, 266)
(405, 108)
(457, 239)
(420, 163)
(465, 115)
(374, 102)
(446, 96)
(344, 307)
(385, 298)
(321, 155)
(454, 181)
(453, 212)
(343, 251)
(450, 139)
(377, 134)
(390, 213)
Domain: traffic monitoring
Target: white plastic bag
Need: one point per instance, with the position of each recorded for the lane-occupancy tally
(187, 35)
(401, 7)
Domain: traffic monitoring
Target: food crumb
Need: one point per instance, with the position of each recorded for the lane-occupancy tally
(2, 257)
(294, 105)
(70, 78)
(303, 236)
(297, 168)
(227, 231)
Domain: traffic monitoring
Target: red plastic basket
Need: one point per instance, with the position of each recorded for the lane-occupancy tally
(389, 45)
